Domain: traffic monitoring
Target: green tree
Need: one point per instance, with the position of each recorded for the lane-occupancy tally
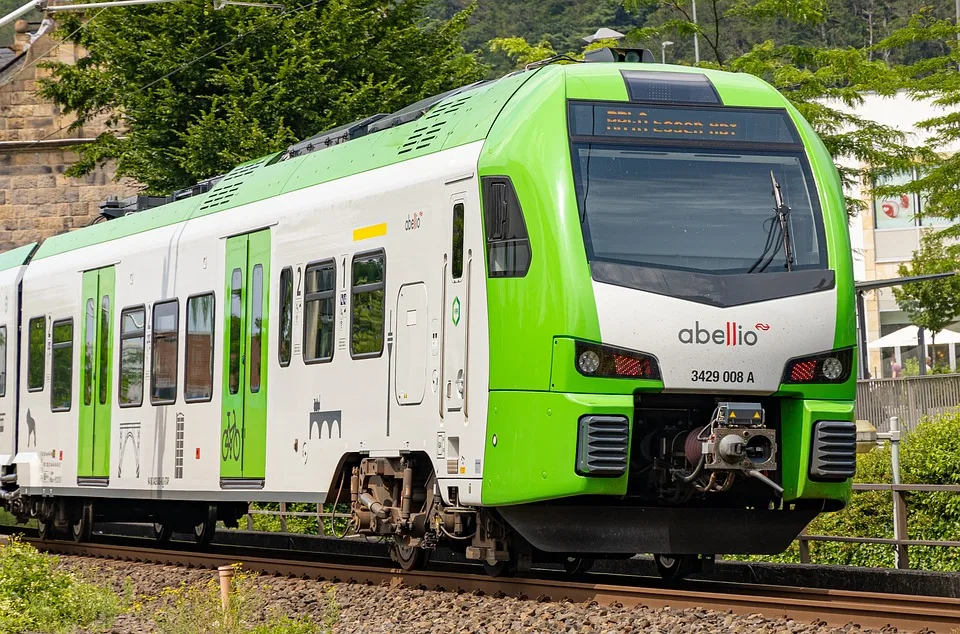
(189, 91)
(933, 304)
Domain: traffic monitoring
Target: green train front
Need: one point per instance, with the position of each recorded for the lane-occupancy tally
(662, 379)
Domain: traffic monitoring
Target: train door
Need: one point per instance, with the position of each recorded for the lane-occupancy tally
(243, 431)
(93, 451)
(454, 377)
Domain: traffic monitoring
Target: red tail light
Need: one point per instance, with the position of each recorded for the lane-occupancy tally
(803, 371)
(603, 361)
(826, 367)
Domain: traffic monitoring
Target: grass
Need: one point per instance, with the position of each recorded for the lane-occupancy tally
(196, 609)
(35, 595)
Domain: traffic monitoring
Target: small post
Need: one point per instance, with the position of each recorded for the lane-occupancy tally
(804, 547)
(899, 500)
(894, 437)
(320, 529)
(250, 516)
(226, 576)
(283, 517)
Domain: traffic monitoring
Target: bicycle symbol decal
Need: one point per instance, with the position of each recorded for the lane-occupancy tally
(230, 439)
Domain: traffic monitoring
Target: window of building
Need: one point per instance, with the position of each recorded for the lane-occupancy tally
(3, 361)
(62, 375)
(366, 329)
(236, 314)
(132, 331)
(256, 327)
(457, 241)
(318, 308)
(198, 374)
(286, 315)
(163, 368)
(35, 361)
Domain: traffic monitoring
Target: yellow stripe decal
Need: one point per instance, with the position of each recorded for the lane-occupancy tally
(373, 231)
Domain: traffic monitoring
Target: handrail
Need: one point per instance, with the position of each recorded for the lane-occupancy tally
(466, 354)
(443, 333)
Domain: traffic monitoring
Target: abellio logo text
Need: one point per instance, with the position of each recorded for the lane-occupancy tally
(732, 334)
(413, 221)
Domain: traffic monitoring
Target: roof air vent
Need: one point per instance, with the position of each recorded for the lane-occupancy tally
(617, 54)
(432, 124)
(228, 185)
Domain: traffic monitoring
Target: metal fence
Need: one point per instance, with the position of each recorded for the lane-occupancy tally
(909, 399)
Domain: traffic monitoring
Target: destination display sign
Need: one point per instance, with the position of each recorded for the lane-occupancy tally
(687, 124)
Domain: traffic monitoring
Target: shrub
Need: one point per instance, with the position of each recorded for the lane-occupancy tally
(35, 595)
(196, 609)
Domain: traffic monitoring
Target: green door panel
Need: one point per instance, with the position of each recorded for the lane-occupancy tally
(255, 399)
(243, 430)
(96, 379)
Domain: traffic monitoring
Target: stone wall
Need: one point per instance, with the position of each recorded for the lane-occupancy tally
(36, 199)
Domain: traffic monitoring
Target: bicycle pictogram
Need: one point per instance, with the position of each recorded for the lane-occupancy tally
(230, 439)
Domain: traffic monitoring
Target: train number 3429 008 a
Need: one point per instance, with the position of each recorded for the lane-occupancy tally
(717, 376)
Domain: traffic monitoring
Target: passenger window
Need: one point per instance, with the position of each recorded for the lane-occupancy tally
(104, 348)
(458, 241)
(132, 331)
(318, 308)
(366, 336)
(35, 361)
(256, 327)
(163, 367)
(89, 349)
(286, 315)
(236, 306)
(198, 374)
(3, 361)
(62, 375)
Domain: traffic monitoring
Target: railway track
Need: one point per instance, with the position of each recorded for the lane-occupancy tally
(835, 607)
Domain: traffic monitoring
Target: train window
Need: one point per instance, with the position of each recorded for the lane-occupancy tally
(508, 244)
(318, 308)
(35, 360)
(104, 348)
(366, 327)
(256, 329)
(198, 371)
(3, 361)
(236, 312)
(163, 366)
(89, 343)
(62, 375)
(286, 315)
(132, 332)
(458, 241)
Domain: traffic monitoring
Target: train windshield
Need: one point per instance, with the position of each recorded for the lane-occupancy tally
(690, 188)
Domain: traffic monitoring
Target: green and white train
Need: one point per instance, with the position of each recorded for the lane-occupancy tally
(583, 311)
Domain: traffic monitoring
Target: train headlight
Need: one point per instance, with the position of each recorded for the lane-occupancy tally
(832, 368)
(604, 361)
(827, 367)
(588, 362)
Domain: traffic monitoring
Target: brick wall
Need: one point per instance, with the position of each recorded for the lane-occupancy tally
(36, 199)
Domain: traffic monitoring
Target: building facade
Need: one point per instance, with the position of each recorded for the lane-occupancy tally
(37, 199)
(886, 234)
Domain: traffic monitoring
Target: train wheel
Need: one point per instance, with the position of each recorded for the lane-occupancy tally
(82, 529)
(45, 530)
(162, 532)
(673, 567)
(500, 568)
(577, 565)
(409, 557)
(204, 531)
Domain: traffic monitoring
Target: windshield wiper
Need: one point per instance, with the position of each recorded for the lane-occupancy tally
(783, 218)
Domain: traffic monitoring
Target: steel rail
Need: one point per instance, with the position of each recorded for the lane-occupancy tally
(834, 607)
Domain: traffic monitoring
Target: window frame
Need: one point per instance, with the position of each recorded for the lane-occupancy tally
(120, 339)
(318, 296)
(43, 359)
(353, 293)
(54, 346)
(456, 248)
(284, 364)
(186, 346)
(153, 351)
(257, 359)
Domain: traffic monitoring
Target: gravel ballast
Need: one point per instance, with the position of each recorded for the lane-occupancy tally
(375, 609)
